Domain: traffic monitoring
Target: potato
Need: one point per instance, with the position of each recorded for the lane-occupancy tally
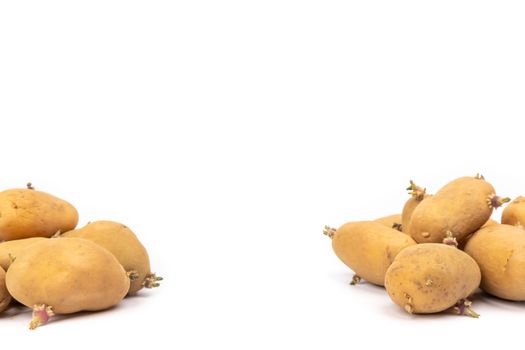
(392, 221)
(499, 251)
(460, 207)
(124, 244)
(417, 194)
(28, 213)
(5, 297)
(63, 276)
(514, 213)
(368, 248)
(432, 277)
(9, 250)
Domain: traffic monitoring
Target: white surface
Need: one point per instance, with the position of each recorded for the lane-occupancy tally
(227, 133)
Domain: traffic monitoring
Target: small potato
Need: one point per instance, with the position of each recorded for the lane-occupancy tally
(124, 244)
(368, 248)
(64, 276)
(5, 297)
(417, 194)
(28, 213)
(514, 213)
(499, 251)
(392, 221)
(432, 277)
(9, 250)
(460, 207)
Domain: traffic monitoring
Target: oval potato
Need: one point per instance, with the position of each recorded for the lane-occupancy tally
(368, 248)
(431, 277)
(67, 275)
(461, 207)
(28, 213)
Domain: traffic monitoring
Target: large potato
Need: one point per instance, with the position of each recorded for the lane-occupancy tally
(514, 213)
(368, 248)
(5, 297)
(499, 251)
(9, 250)
(124, 244)
(460, 207)
(29, 213)
(432, 277)
(64, 276)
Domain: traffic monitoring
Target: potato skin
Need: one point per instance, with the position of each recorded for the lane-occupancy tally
(28, 213)
(369, 248)
(431, 277)
(499, 251)
(68, 274)
(5, 297)
(460, 207)
(15, 248)
(122, 243)
(389, 220)
(514, 212)
(408, 209)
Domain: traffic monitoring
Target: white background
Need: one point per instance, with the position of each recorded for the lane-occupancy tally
(227, 133)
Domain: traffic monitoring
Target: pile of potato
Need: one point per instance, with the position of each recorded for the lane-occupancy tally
(441, 248)
(47, 265)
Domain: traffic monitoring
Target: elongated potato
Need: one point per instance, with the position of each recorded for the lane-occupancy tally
(417, 194)
(124, 244)
(514, 213)
(460, 207)
(392, 221)
(63, 276)
(432, 277)
(368, 248)
(499, 251)
(28, 213)
(5, 297)
(9, 250)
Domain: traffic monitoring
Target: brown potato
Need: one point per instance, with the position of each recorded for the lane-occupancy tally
(392, 221)
(460, 207)
(489, 222)
(417, 194)
(499, 251)
(28, 213)
(368, 248)
(124, 244)
(432, 277)
(9, 250)
(63, 276)
(5, 297)
(514, 213)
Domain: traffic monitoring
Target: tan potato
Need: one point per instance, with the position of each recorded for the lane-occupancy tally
(460, 207)
(417, 194)
(499, 251)
(124, 244)
(5, 297)
(28, 213)
(63, 276)
(514, 213)
(392, 221)
(432, 277)
(9, 250)
(368, 248)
